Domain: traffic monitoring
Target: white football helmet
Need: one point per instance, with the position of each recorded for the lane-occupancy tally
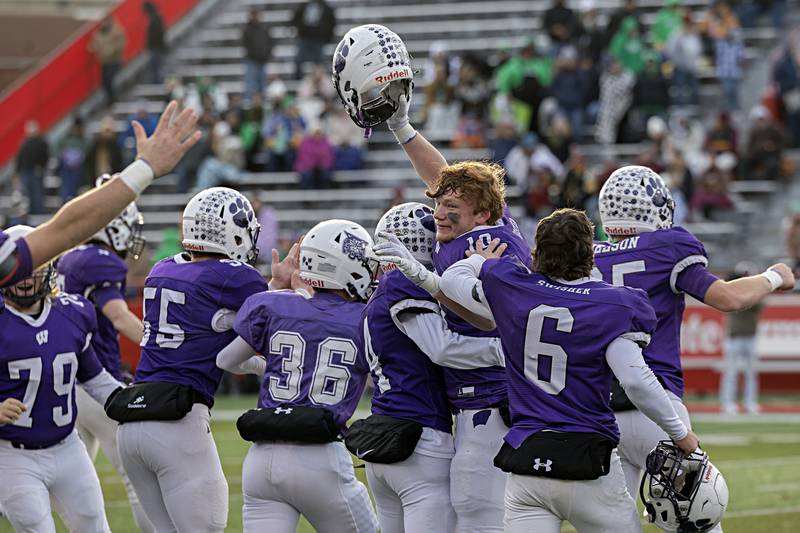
(333, 255)
(371, 69)
(221, 221)
(634, 200)
(124, 233)
(43, 279)
(412, 223)
(682, 494)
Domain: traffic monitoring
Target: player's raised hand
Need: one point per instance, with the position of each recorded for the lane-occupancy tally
(689, 443)
(10, 410)
(282, 271)
(494, 250)
(786, 274)
(172, 138)
(400, 117)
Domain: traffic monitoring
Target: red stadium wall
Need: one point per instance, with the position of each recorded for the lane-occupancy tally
(66, 77)
(703, 343)
(703, 340)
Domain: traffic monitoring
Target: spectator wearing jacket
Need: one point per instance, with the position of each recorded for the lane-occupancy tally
(156, 44)
(257, 45)
(108, 45)
(570, 89)
(314, 22)
(31, 166)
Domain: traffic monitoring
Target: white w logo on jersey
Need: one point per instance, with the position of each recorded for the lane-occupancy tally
(539, 464)
(41, 337)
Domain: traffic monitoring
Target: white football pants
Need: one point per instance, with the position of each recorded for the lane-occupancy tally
(97, 431)
(414, 495)
(539, 505)
(476, 485)
(282, 480)
(638, 435)
(62, 474)
(176, 471)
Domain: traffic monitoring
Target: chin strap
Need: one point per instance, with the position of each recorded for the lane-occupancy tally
(367, 133)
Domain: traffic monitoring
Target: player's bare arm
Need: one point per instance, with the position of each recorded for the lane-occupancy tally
(10, 410)
(742, 293)
(124, 320)
(84, 216)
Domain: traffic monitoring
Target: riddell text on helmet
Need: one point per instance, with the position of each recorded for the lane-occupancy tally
(396, 75)
(193, 247)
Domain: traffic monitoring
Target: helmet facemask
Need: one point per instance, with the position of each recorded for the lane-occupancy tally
(673, 478)
(28, 291)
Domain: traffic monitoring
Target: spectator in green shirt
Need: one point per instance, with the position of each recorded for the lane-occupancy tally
(668, 19)
(628, 47)
(513, 72)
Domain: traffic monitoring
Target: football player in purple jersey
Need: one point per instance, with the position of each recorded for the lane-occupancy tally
(407, 338)
(190, 302)
(313, 377)
(470, 206)
(97, 270)
(45, 348)
(647, 252)
(564, 335)
(84, 216)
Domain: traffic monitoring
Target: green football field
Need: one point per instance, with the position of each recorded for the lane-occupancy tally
(759, 455)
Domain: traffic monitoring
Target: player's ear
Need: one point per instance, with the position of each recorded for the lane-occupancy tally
(482, 217)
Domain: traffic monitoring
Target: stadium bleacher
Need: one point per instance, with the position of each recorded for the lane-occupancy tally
(212, 49)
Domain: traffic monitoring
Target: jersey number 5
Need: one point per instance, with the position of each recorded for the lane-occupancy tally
(169, 335)
(535, 348)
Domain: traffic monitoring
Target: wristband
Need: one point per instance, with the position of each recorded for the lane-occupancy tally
(405, 134)
(774, 279)
(137, 176)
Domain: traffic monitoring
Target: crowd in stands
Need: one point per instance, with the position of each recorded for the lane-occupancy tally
(591, 77)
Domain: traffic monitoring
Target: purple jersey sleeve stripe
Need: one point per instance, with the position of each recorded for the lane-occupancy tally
(682, 265)
(103, 295)
(23, 263)
(695, 281)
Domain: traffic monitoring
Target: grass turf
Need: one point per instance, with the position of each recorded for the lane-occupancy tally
(759, 456)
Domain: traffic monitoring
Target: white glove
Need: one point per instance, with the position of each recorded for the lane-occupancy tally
(391, 250)
(399, 123)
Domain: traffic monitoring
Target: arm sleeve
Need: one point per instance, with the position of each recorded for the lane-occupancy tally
(101, 386)
(695, 280)
(641, 386)
(239, 357)
(422, 322)
(223, 320)
(15, 260)
(460, 283)
(105, 293)
(252, 323)
(88, 364)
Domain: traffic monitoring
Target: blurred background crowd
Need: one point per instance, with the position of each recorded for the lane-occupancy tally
(586, 78)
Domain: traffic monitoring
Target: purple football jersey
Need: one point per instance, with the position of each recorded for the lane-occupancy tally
(407, 384)
(314, 349)
(482, 387)
(99, 275)
(555, 337)
(663, 263)
(40, 359)
(181, 299)
(15, 261)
